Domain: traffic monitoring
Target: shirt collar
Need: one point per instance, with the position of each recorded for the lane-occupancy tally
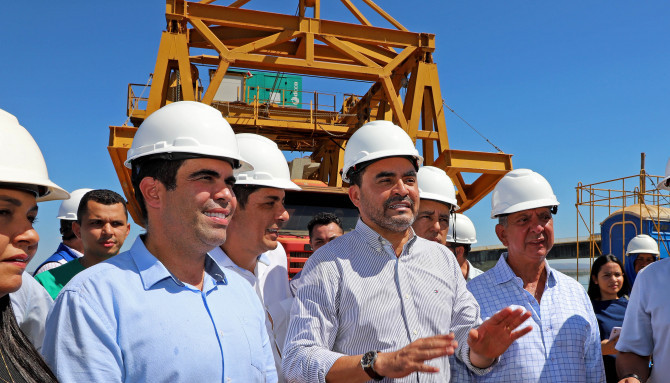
(75, 252)
(224, 260)
(502, 272)
(153, 271)
(378, 242)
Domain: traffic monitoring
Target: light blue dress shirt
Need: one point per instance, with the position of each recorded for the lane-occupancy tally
(357, 296)
(564, 345)
(130, 320)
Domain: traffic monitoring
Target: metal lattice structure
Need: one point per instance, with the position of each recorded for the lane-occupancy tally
(635, 197)
(222, 37)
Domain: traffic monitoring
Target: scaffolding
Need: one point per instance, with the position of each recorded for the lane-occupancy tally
(636, 196)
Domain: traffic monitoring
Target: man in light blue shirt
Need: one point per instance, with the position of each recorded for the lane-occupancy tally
(164, 311)
(564, 345)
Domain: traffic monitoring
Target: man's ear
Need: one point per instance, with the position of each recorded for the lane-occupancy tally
(152, 191)
(460, 251)
(355, 195)
(500, 232)
(76, 229)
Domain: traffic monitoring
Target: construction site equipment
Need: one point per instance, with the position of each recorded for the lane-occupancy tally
(464, 230)
(375, 140)
(229, 39)
(189, 128)
(21, 160)
(270, 167)
(628, 207)
(521, 189)
(68, 208)
(434, 184)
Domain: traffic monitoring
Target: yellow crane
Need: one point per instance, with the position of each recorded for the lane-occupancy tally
(227, 38)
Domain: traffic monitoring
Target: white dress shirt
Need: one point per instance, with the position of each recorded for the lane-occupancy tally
(270, 280)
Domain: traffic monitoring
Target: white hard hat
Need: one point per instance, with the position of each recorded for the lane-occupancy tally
(186, 127)
(435, 184)
(68, 208)
(664, 184)
(521, 189)
(270, 167)
(464, 228)
(21, 161)
(642, 244)
(376, 140)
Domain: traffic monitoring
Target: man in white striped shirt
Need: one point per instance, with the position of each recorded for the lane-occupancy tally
(379, 302)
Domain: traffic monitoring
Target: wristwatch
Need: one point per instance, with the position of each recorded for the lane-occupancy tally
(368, 363)
(632, 376)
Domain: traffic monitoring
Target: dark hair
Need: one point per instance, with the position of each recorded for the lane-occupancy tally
(594, 289)
(323, 218)
(17, 350)
(242, 193)
(466, 247)
(66, 229)
(156, 167)
(101, 196)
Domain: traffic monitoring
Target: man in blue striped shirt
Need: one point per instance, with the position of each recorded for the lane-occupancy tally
(564, 345)
(380, 302)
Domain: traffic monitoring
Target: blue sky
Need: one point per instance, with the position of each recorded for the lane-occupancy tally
(575, 90)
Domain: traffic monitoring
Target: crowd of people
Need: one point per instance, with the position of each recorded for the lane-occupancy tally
(204, 295)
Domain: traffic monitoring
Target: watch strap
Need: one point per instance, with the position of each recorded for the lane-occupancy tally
(368, 362)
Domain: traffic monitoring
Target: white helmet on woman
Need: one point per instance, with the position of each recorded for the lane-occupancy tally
(376, 140)
(521, 189)
(186, 129)
(435, 184)
(270, 167)
(21, 161)
(642, 244)
(464, 229)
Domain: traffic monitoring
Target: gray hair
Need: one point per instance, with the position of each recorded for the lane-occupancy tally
(502, 220)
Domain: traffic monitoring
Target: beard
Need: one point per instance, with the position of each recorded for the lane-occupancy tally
(382, 217)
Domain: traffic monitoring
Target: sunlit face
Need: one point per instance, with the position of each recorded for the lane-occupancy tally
(388, 197)
(643, 260)
(322, 234)
(432, 221)
(259, 222)
(18, 238)
(529, 235)
(103, 230)
(199, 209)
(609, 280)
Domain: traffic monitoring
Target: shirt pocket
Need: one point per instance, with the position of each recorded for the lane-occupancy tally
(253, 329)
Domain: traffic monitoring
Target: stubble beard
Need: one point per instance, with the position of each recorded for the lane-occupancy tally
(395, 223)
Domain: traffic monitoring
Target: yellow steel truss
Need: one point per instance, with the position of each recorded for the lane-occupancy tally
(311, 46)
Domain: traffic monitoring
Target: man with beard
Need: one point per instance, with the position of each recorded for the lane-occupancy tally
(102, 226)
(564, 345)
(164, 311)
(380, 302)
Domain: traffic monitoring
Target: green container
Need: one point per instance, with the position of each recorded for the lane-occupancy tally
(277, 88)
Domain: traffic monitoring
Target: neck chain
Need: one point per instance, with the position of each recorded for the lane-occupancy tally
(7, 367)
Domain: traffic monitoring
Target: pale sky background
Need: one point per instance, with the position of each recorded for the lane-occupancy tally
(575, 90)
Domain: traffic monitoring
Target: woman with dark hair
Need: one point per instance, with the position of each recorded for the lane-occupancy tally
(608, 290)
(23, 182)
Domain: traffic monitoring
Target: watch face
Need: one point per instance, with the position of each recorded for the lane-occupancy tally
(368, 358)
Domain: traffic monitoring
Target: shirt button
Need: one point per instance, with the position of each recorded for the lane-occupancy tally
(415, 332)
(406, 296)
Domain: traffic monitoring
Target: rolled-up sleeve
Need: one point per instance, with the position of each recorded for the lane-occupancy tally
(80, 343)
(313, 326)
